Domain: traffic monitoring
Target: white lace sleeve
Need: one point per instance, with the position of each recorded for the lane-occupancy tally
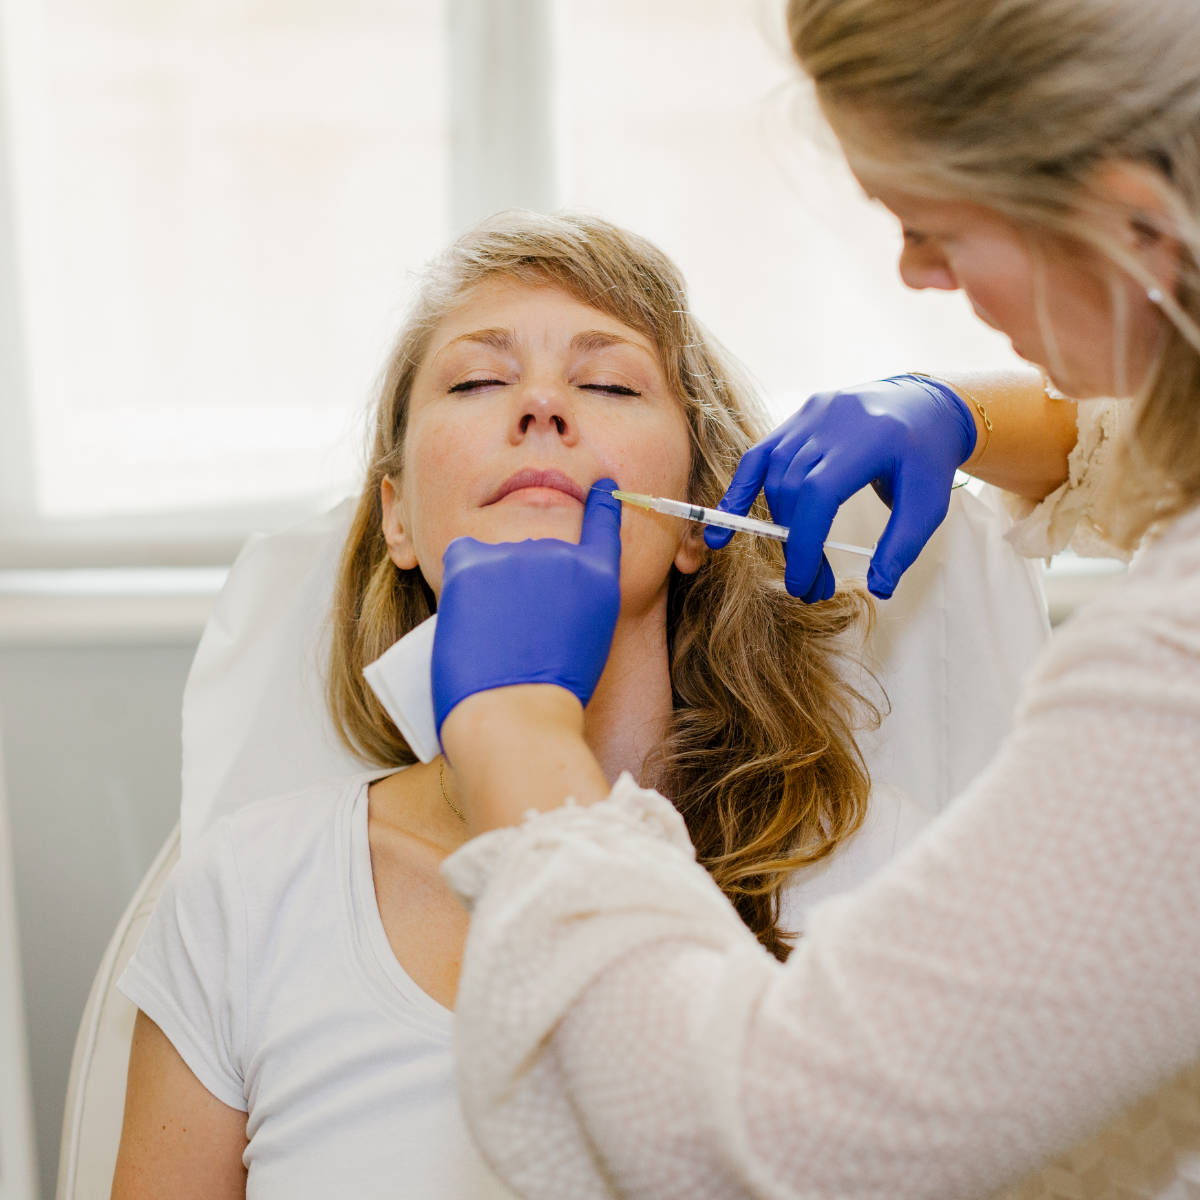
(1063, 520)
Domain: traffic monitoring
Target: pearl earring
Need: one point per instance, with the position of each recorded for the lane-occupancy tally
(1154, 295)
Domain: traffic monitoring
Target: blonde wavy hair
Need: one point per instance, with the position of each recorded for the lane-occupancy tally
(760, 756)
(1016, 105)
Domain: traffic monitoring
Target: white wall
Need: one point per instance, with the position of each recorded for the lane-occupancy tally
(91, 749)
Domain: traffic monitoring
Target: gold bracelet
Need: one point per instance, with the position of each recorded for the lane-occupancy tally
(960, 391)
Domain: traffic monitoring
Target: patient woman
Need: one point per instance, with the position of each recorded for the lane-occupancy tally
(297, 978)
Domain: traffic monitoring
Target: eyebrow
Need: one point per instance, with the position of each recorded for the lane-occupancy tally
(588, 341)
(497, 339)
(601, 339)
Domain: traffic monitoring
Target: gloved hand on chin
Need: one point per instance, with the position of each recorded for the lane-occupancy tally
(537, 611)
(906, 435)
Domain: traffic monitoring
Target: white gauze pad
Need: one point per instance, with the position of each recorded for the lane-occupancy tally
(402, 679)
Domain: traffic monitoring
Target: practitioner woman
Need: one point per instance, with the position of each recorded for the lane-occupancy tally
(296, 980)
(1023, 982)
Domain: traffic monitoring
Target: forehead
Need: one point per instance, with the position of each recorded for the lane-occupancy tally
(541, 311)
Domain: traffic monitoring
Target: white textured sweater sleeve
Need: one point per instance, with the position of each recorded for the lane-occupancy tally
(1027, 968)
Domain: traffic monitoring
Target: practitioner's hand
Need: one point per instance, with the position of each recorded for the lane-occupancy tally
(906, 435)
(537, 611)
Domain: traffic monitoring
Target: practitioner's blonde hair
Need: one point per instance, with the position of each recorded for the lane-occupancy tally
(1015, 105)
(760, 757)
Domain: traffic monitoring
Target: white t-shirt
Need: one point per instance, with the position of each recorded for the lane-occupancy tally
(267, 966)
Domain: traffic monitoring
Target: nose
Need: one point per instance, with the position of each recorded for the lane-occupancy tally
(923, 265)
(543, 409)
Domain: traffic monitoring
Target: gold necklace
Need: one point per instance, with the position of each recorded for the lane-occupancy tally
(445, 796)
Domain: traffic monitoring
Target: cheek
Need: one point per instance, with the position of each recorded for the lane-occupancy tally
(435, 484)
(654, 459)
(657, 464)
(1150, 330)
(431, 449)
(998, 274)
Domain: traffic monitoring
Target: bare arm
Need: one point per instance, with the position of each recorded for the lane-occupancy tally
(1032, 434)
(178, 1140)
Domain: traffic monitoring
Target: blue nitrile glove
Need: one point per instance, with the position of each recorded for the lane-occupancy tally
(537, 611)
(906, 435)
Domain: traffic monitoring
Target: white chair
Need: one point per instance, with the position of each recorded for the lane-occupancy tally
(951, 649)
(92, 1118)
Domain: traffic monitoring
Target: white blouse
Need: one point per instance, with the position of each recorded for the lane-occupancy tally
(1020, 983)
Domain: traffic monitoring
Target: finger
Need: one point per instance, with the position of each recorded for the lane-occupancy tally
(823, 586)
(748, 479)
(917, 511)
(816, 496)
(790, 465)
(602, 520)
(743, 489)
(805, 558)
(804, 555)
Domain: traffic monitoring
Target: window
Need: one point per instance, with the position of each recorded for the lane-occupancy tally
(216, 212)
(687, 121)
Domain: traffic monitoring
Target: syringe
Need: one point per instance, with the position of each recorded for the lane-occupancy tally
(714, 516)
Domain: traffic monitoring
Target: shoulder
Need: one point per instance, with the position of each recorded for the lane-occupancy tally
(264, 847)
(270, 872)
(303, 812)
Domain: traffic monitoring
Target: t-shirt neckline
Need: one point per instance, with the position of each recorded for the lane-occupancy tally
(381, 966)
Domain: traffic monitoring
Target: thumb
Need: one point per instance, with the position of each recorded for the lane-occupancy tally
(602, 520)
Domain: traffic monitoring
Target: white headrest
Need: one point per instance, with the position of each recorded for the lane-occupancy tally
(951, 648)
(254, 717)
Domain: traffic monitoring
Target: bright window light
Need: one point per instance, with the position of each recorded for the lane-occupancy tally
(219, 208)
(686, 120)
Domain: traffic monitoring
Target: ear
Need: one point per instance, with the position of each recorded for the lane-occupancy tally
(690, 555)
(395, 527)
(1144, 195)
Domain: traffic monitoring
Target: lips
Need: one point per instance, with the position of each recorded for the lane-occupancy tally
(530, 478)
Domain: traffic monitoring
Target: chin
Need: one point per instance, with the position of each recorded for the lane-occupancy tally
(1088, 389)
(1074, 387)
(558, 523)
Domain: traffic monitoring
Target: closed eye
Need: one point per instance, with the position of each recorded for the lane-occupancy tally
(470, 385)
(614, 389)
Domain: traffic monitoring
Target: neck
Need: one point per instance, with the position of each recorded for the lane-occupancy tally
(626, 719)
(628, 713)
